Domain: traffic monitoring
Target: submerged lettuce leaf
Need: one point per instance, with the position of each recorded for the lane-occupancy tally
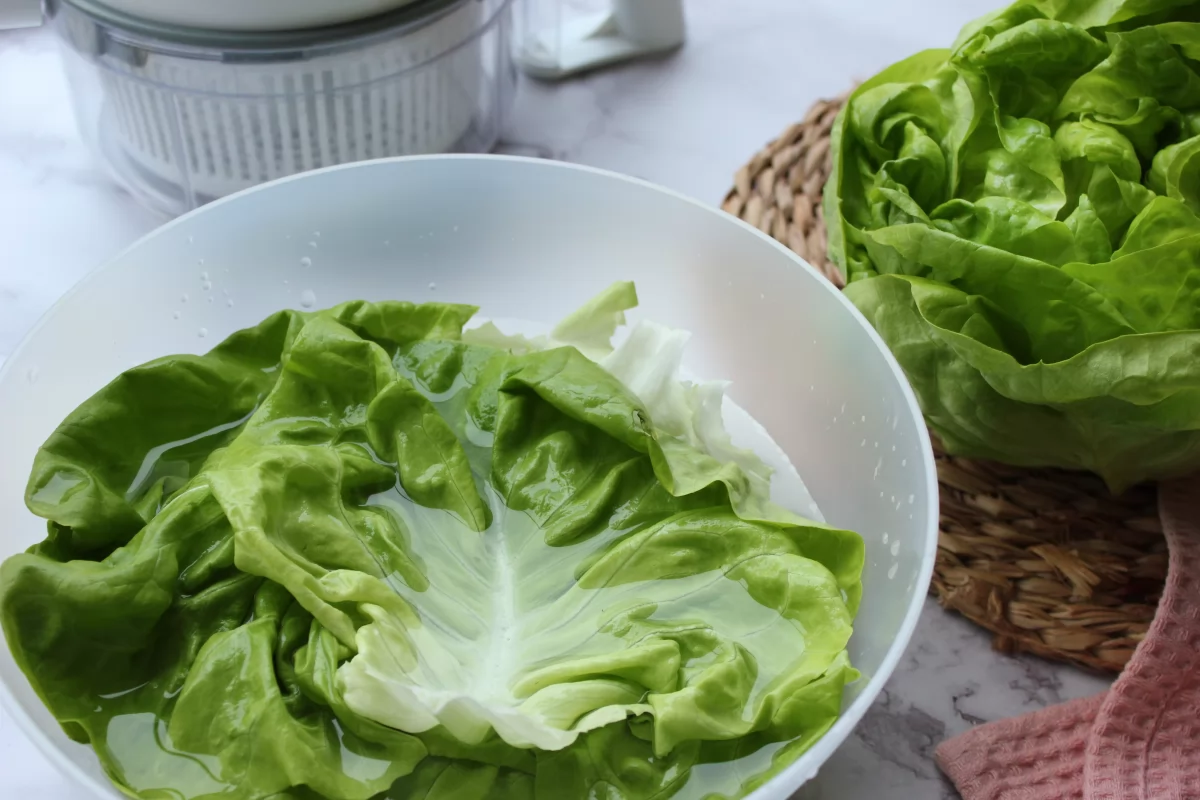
(348, 555)
(648, 361)
(1017, 216)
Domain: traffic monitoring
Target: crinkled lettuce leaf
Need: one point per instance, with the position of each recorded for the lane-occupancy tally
(1018, 217)
(350, 554)
(648, 361)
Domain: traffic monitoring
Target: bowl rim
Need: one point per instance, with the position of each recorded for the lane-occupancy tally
(796, 774)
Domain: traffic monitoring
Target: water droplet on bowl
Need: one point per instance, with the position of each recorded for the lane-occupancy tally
(892, 571)
(306, 262)
(200, 261)
(175, 314)
(863, 419)
(864, 443)
(317, 234)
(308, 298)
(31, 374)
(184, 298)
(229, 303)
(885, 537)
(896, 548)
(202, 332)
(313, 245)
(203, 275)
(191, 240)
(912, 499)
(904, 462)
(432, 286)
(210, 298)
(206, 286)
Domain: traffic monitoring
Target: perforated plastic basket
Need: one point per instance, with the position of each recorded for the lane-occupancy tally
(185, 115)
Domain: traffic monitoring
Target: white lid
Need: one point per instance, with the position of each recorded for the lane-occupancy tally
(251, 15)
(20, 13)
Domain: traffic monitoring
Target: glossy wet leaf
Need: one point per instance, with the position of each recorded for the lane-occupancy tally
(350, 555)
(1017, 216)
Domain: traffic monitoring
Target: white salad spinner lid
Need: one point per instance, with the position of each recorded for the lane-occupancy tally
(254, 15)
(221, 15)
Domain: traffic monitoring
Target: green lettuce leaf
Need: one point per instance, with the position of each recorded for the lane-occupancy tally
(1121, 408)
(648, 361)
(1017, 216)
(348, 554)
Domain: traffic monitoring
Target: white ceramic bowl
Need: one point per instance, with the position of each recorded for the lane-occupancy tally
(526, 240)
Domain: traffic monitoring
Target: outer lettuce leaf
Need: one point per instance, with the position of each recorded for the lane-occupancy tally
(589, 329)
(1018, 217)
(353, 556)
(1122, 408)
(649, 361)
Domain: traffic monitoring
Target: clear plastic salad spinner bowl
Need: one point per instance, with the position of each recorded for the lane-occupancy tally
(183, 115)
(187, 102)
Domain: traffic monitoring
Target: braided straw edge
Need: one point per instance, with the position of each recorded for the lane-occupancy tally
(779, 191)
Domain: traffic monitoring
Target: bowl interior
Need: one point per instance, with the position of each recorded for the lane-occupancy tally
(525, 240)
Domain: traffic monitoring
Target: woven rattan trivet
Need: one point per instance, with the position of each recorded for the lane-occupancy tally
(1046, 560)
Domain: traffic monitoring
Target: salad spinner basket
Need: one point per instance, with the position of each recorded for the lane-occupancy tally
(183, 116)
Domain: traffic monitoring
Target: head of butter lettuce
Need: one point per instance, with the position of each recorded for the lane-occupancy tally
(1017, 216)
(359, 553)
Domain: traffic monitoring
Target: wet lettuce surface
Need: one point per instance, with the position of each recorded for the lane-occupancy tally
(353, 554)
(1017, 216)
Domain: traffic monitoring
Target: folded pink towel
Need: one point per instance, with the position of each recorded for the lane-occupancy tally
(1138, 741)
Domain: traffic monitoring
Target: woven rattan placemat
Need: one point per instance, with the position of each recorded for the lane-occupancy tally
(1048, 561)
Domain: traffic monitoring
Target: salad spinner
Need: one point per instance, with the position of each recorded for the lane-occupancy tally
(187, 102)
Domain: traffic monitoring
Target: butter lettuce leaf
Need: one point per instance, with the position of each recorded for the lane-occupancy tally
(1017, 216)
(649, 362)
(353, 554)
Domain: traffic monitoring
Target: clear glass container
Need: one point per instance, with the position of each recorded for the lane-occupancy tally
(184, 116)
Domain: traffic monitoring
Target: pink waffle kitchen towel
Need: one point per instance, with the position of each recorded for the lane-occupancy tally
(1138, 741)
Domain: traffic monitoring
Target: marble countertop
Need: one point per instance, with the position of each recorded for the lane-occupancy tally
(687, 122)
